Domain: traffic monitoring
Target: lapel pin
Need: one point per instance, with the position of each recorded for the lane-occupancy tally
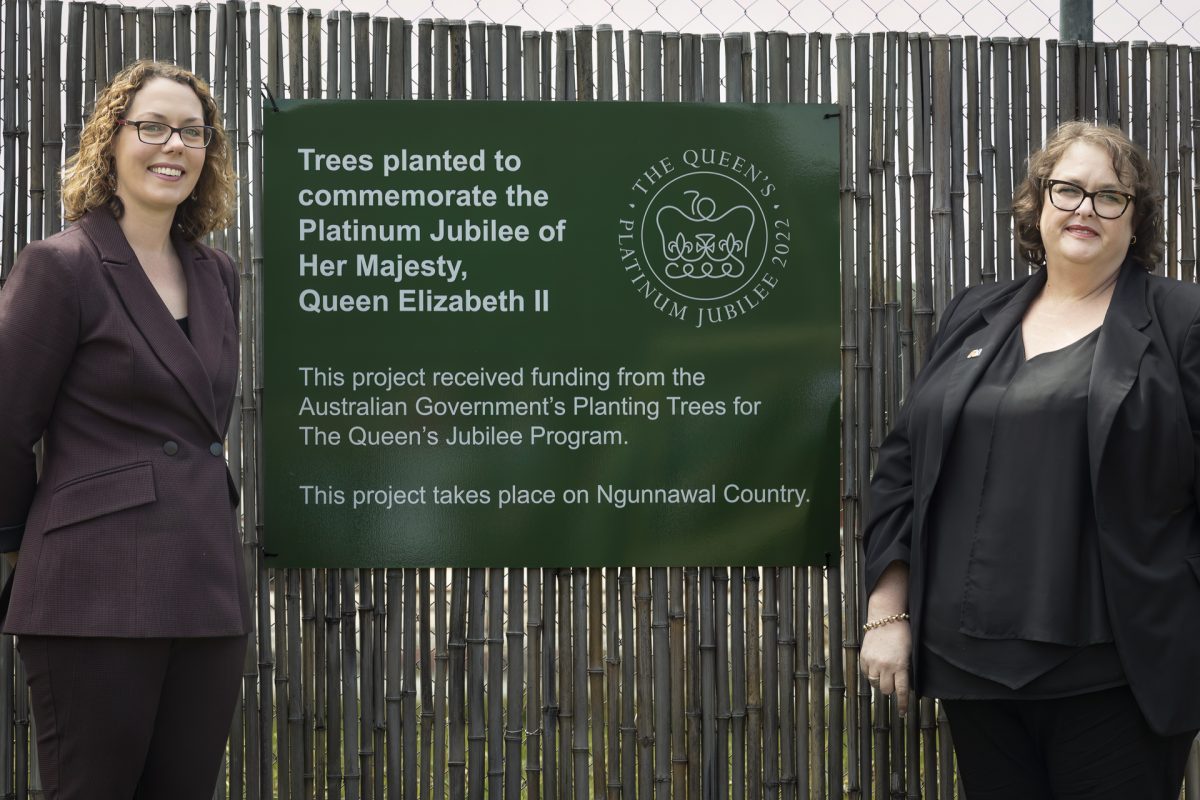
(976, 353)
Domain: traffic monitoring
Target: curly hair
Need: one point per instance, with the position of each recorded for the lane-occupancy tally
(89, 178)
(1130, 164)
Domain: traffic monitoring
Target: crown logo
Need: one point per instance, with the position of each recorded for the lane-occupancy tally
(702, 244)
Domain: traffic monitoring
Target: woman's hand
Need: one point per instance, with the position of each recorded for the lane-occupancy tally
(886, 651)
(885, 656)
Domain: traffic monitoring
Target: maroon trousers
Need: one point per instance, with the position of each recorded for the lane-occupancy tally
(131, 719)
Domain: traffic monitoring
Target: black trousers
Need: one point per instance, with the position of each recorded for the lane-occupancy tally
(131, 719)
(1094, 746)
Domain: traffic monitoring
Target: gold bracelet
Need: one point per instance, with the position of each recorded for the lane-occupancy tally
(879, 623)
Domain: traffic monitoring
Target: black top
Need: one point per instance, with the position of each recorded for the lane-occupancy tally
(183, 323)
(1016, 603)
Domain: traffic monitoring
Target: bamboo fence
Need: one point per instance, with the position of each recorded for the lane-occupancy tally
(561, 684)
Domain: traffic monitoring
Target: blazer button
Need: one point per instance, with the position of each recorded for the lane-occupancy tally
(170, 448)
(216, 449)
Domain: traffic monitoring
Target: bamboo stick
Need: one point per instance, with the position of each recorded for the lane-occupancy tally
(987, 150)
(398, 654)
(761, 67)
(614, 686)
(645, 699)
(678, 677)
(786, 642)
(399, 78)
(1033, 72)
(456, 760)
(1171, 261)
(1187, 169)
(440, 690)
(595, 682)
(722, 711)
(770, 682)
(777, 73)
(733, 68)
(579, 667)
(942, 166)
(566, 684)
(514, 64)
(515, 641)
(585, 82)
(428, 702)
(1004, 180)
(690, 68)
(495, 666)
(334, 770)
(378, 682)
(672, 74)
(754, 691)
(441, 59)
(1159, 93)
(366, 682)
(692, 714)
(1139, 103)
(534, 660)
(477, 61)
(710, 68)
(352, 772)
(32, 141)
(855, 741)
(747, 72)
(604, 63)
(978, 114)
(532, 90)
(662, 677)
(408, 686)
(115, 46)
(904, 180)
(550, 693)
(545, 43)
(495, 61)
(53, 142)
(708, 682)
(314, 54)
(737, 711)
(630, 686)
(477, 740)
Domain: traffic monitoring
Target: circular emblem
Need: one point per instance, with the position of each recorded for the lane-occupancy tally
(697, 243)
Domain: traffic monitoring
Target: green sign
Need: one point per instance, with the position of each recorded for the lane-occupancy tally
(550, 334)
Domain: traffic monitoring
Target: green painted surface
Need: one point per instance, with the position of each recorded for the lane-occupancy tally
(449, 354)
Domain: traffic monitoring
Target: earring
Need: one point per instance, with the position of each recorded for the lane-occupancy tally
(1133, 239)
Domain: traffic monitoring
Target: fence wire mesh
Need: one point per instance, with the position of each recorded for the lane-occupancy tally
(1173, 21)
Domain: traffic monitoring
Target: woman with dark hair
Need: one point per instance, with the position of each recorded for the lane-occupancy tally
(119, 350)
(1033, 540)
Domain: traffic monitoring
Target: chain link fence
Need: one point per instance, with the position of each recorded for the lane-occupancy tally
(1172, 21)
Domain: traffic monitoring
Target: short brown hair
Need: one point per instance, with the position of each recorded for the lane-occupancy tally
(89, 176)
(1131, 165)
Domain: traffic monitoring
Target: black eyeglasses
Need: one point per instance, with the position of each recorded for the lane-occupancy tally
(1107, 203)
(197, 136)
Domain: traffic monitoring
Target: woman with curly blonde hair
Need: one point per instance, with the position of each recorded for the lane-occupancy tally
(119, 350)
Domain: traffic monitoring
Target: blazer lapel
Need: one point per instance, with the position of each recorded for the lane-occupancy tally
(978, 351)
(209, 313)
(150, 315)
(1118, 356)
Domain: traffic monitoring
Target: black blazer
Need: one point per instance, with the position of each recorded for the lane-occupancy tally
(1143, 422)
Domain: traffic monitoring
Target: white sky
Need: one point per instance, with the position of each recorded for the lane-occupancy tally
(1174, 21)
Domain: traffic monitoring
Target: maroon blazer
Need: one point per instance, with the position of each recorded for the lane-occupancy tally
(131, 529)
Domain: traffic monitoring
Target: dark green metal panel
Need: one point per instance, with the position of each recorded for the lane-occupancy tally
(664, 317)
